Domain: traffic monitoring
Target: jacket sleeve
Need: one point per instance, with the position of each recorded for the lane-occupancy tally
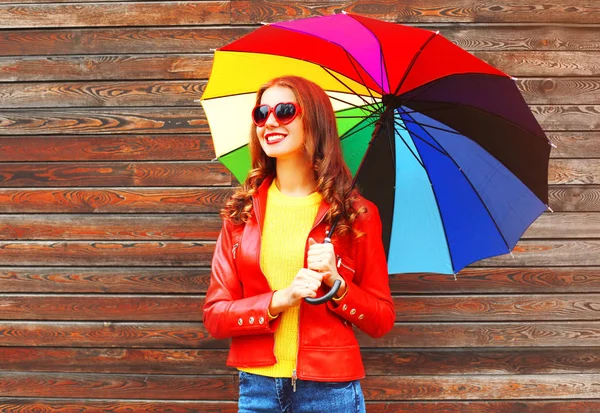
(227, 313)
(368, 302)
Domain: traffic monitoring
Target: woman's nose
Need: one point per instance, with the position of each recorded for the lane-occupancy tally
(271, 120)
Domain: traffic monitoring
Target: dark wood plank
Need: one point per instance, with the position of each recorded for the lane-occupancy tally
(115, 174)
(544, 63)
(565, 225)
(568, 117)
(545, 91)
(125, 406)
(554, 11)
(501, 280)
(83, 94)
(106, 253)
(198, 66)
(105, 67)
(109, 227)
(560, 91)
(390, 362)
(520, 406)
(106, 148)
(576, 198)
(574, 171)
(115, 386)
(53, 405)
(107, 334)
(194, 335)
(109, 200)
(116, 14)
(475, 387)
(89, 40)
(94, 121)
(487, 335)
(118, 360)
(492, 308)
(382, 362)
(169, 120)
(548, 253)
(134, 40)
(408, 308)
(101, 307)
(104, 280)
(575, 144)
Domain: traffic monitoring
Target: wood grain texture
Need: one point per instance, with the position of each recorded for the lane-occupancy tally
(24, 405)
(497, 308)
(171, 120)
(107, 253)
(474, 280)
(378, 362)
(105, 67)
(553, 11)
(104, 280)
(94, 121)
(488, 335)
(106, 148)
(103, 94)
(481, 387)
(550, 253)
(206, 227)
(114, 14)
(121, 227)
(105, 386)
(180, 39)
(114, 174)
(575, 144)
(190, 335)
(576, 198)
(119, 67)
(117, 200)
(101, 307)
(53, 405)
(544, 90)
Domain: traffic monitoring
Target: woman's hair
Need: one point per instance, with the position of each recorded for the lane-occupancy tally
(322, 143)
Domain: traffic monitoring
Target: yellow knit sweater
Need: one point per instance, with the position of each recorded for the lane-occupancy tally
(288, 221)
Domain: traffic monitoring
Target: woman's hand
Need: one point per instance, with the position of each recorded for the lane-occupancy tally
(305, 284)
(321, 258)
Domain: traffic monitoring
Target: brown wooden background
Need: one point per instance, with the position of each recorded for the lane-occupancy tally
(109, 200)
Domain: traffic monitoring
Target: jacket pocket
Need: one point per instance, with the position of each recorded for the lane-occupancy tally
(345, 267)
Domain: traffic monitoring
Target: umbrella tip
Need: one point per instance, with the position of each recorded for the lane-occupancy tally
(550, 209)
(552, 144)
(455, 279)
(197, 100)
(437, 32)
(514, 78)
(344, 12)
(264, 23)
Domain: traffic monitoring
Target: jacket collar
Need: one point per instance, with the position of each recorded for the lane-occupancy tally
(260, 203)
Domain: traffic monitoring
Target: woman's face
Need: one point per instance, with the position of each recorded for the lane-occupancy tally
(277, 140)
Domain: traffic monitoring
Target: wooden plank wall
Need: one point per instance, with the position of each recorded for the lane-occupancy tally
(109, 200)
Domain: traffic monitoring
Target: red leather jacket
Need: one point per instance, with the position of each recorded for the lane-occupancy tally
(239, 295)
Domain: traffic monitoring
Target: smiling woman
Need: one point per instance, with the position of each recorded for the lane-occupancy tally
(272, 254)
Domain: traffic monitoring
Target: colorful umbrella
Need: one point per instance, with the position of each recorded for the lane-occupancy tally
(441, 141)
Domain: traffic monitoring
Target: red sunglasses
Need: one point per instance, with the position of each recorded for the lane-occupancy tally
(284, 112)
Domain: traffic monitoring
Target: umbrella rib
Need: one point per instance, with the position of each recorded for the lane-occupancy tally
(359, 75)
(413, 61)
(472, 186)
(351, 132)
(362, 107)
(407, 146)
(345, 85)
(420, 138)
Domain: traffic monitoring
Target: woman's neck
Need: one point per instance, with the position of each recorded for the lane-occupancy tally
(295, 177)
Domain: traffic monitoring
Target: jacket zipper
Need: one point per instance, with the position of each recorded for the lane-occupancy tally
(234, 249)
(340, 263)
(295, 371)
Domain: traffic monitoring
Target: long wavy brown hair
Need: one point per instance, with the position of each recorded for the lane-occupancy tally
(322, 145)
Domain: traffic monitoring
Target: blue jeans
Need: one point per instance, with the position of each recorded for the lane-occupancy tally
(261, 394)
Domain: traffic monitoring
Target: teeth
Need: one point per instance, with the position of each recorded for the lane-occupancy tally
(272, 138)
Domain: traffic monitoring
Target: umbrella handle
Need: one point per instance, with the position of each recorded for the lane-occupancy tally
(336, 284)
(326, 297)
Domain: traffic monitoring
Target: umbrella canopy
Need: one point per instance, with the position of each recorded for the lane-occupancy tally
(442, 142)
